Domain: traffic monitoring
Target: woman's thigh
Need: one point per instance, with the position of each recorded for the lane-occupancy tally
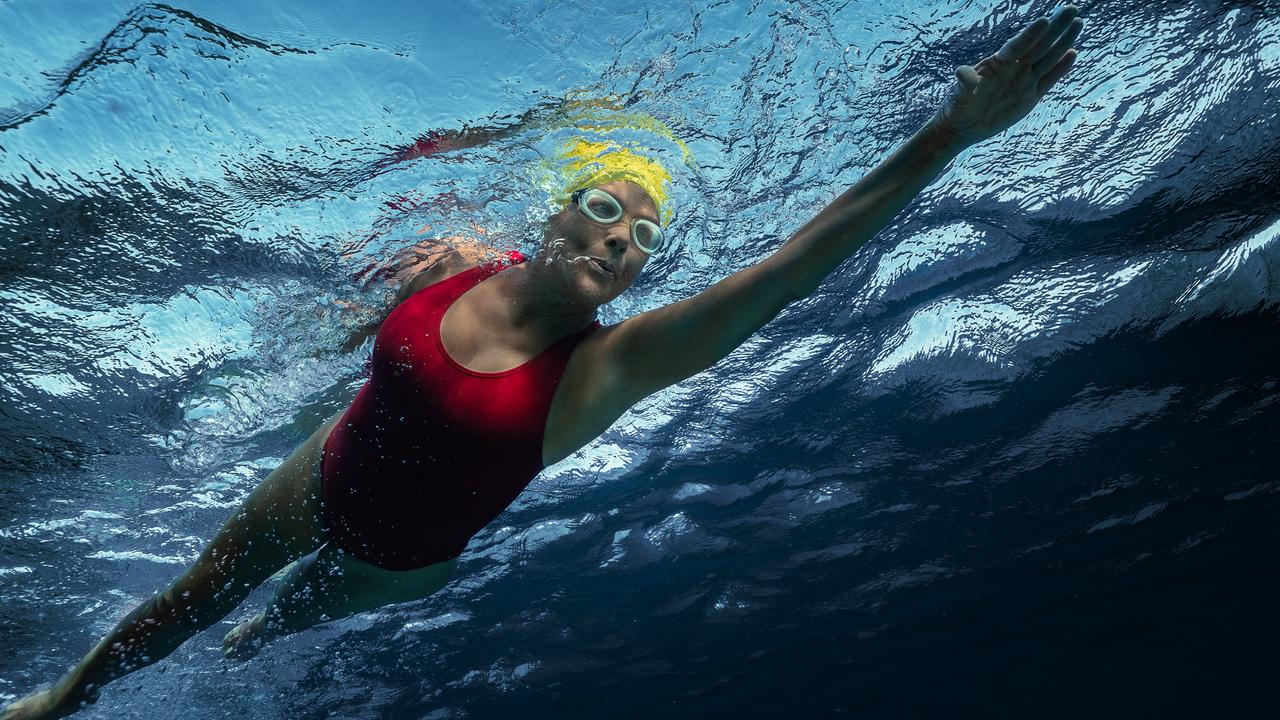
(374, 586)
(277, 523)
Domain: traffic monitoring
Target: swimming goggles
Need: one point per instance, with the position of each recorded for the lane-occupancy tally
(605, 208)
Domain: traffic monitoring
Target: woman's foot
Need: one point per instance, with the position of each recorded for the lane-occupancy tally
(246, 639)
(43, 705)
(36, 705)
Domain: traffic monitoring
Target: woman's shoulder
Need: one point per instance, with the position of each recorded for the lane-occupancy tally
(465, 253)
(457, 254)
(469, 252)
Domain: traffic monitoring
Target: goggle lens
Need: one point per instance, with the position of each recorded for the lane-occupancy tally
(647, 236)
(604, 208)
(600, 206)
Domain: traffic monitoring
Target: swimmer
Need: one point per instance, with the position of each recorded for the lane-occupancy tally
(488, 370)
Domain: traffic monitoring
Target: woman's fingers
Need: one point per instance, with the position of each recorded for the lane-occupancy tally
(1054, 55)
(1023, 41)
(1055, 74)
(1060, 23)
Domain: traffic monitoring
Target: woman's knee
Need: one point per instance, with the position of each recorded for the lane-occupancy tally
(177, 606)
(214, 586)
(238, 559)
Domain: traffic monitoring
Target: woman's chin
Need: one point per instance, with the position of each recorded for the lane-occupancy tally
(593, 286)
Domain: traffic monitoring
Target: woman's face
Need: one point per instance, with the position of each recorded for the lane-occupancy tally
(572, 239)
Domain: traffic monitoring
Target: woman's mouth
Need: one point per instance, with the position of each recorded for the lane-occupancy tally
(600, 265)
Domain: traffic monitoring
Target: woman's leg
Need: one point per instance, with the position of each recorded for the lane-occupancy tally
(278, 522)
(329, 585)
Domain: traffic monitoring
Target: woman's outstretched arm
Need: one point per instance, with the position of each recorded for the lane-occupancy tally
(664, 346)
(983, 102)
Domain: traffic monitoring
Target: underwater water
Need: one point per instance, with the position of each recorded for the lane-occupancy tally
(1015, 458)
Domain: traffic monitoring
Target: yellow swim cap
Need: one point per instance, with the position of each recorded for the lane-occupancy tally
(590, 164)
(604, 144)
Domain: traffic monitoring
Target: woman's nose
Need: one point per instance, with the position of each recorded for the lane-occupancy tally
(618, 240)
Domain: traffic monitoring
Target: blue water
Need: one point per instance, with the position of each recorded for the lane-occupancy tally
(1014, 459)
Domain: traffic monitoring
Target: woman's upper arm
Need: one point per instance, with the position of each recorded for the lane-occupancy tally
(664, 346)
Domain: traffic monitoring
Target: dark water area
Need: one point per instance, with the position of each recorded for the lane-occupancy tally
(1138, 582)
(1015, 458)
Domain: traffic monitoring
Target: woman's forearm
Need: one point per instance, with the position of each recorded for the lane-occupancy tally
(866, 208)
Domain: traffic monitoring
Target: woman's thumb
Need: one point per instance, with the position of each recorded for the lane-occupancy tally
(968, 77)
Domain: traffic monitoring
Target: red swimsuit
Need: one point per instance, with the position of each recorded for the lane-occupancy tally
(429, 452)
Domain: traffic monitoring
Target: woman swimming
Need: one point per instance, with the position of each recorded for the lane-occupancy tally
(488, 369)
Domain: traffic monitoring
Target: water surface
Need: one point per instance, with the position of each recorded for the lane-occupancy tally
(1014, 458)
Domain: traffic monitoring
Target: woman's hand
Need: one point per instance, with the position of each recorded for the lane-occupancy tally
(1002, 89)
